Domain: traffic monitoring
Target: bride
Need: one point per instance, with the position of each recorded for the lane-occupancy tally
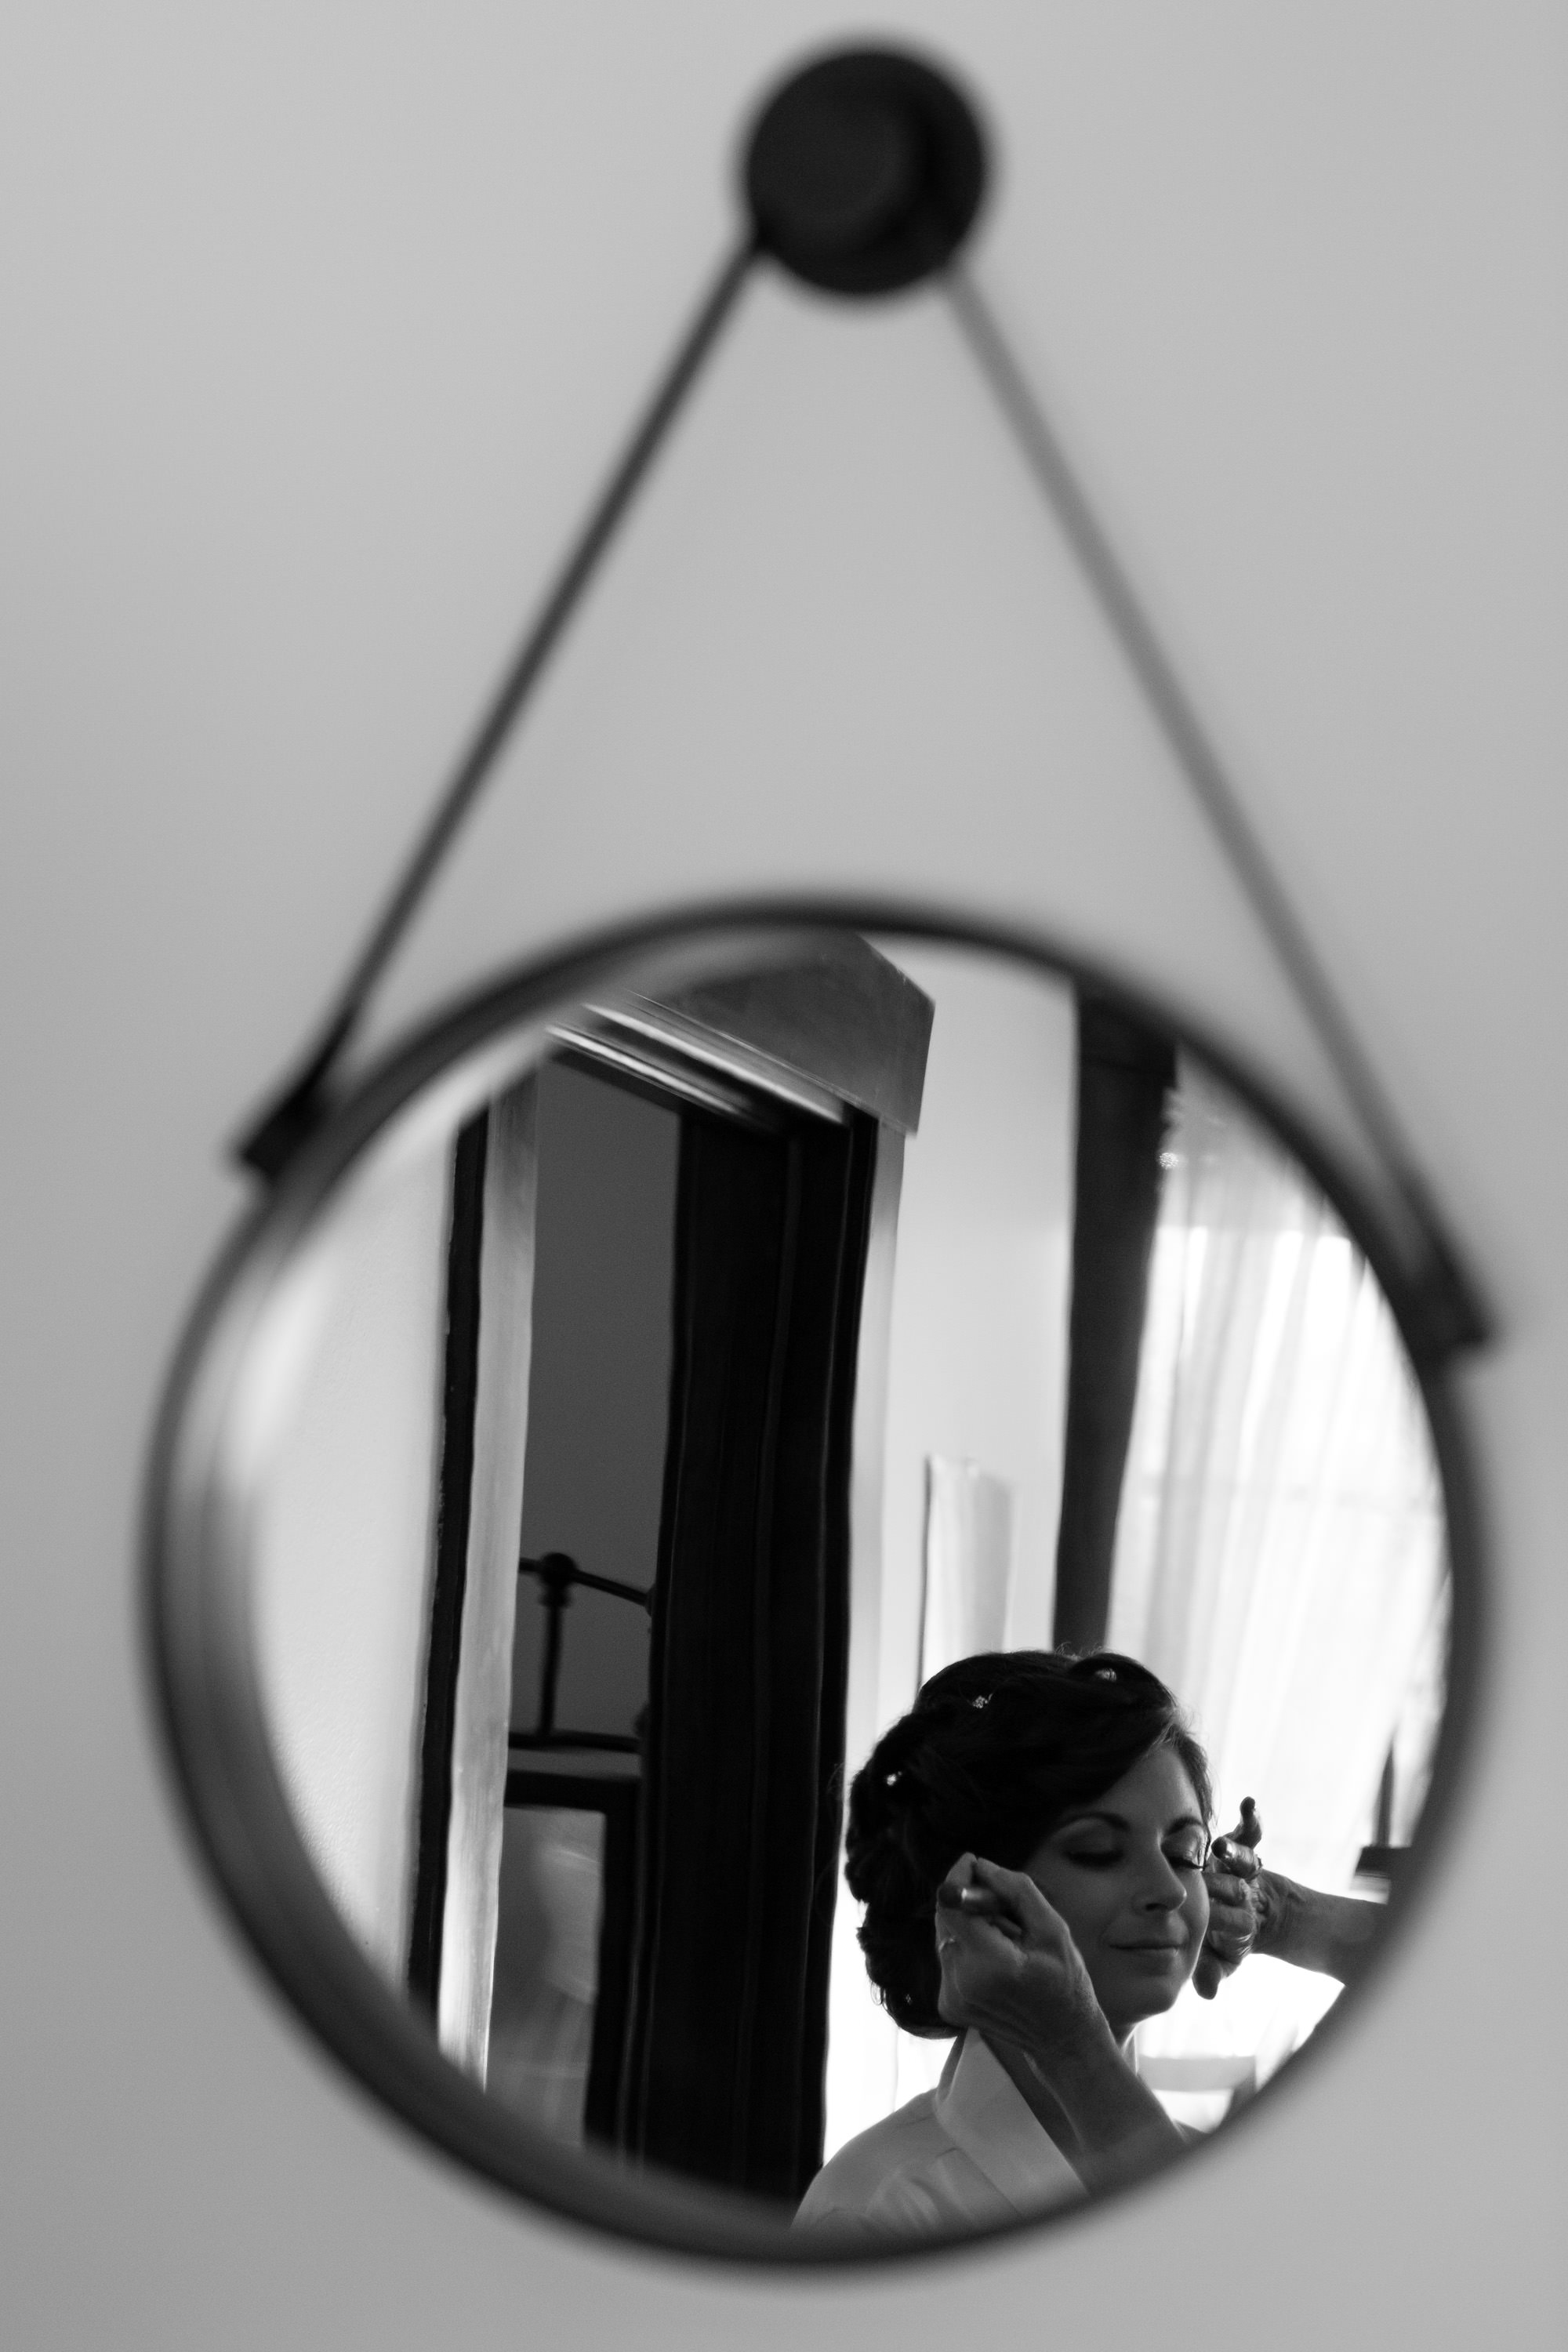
(1051, 1814)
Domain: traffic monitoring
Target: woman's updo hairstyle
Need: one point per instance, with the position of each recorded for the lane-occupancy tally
(996, 1750)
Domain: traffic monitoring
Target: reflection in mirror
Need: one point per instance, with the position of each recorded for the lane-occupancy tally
(775, 1339)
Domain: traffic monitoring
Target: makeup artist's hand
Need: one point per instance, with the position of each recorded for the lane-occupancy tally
(1009, 1965)
(1255, 1910)
(1011, 1970)
(1240, 1893)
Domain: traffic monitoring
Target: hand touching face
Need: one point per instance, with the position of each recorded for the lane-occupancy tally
(1009, 1965)
(1238, 1889)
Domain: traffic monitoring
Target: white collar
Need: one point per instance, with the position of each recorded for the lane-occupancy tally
(984, 2112)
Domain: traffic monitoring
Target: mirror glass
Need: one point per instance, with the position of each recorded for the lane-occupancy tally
(663, 1393)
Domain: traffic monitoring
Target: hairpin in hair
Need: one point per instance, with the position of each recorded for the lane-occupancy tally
(1105, 1674)
(983, 1700)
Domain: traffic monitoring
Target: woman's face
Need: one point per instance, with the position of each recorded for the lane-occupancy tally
(1126, 1875)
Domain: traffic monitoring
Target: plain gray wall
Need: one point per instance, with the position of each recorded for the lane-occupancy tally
(320, 324)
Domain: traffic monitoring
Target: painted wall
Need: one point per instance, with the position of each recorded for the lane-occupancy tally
(977, 1351)
(321, 325)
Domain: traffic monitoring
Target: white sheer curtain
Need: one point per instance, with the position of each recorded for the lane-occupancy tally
(1279, 1552)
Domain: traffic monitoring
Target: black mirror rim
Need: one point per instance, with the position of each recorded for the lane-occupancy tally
(208, 1709)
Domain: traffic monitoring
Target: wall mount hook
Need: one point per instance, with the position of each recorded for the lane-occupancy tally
(864, 173)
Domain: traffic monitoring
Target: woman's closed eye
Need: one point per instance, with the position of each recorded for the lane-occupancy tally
(1093, 1857)
(1096, 1857)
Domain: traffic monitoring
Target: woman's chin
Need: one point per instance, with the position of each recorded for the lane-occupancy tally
(1151, 1998)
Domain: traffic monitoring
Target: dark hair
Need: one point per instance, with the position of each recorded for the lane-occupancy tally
(992, 1755)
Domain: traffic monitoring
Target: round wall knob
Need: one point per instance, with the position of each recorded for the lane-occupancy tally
(864, 172)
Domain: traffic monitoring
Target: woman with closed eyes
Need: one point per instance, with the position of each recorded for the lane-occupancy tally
(1030, 1843)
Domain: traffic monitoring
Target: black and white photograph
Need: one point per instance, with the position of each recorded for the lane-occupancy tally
(788, 1315)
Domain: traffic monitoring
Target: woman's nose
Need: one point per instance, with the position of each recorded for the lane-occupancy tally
(1159, 1889)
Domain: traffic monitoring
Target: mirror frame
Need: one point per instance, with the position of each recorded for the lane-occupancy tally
(198, 1648)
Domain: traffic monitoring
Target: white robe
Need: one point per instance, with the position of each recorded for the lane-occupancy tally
(968, 2156)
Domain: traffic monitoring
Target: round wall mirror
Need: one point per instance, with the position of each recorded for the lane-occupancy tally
(805, 1589)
